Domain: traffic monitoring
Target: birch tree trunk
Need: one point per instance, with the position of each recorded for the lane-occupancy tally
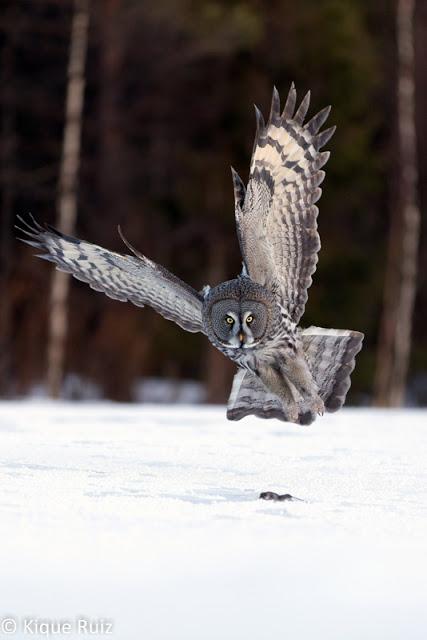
(400, 287)
(67, 192)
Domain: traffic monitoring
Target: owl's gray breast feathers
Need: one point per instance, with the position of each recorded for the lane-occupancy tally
(276, 216)
(122, 277)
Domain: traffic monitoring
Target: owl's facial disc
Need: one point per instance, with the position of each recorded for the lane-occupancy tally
(238, 325)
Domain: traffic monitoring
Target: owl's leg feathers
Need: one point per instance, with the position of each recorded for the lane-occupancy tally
(297, 373)
(274, 380)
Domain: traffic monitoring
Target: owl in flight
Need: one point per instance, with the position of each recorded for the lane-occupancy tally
(283, 371)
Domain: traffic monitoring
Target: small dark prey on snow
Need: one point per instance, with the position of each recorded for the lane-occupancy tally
(283, 371)
(277, 497)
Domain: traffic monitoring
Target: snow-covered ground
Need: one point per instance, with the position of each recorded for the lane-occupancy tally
(150, 517)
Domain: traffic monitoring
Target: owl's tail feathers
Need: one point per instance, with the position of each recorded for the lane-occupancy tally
(331, 357)
(250, 397)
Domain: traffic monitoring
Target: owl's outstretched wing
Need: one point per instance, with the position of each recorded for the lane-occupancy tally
(276, 216)
(122, 277)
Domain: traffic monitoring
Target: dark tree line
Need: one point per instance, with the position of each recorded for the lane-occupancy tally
(168, 109)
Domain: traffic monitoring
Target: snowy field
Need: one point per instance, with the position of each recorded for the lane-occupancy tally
(149, 517)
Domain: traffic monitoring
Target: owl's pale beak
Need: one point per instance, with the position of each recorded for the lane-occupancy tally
(241, 338)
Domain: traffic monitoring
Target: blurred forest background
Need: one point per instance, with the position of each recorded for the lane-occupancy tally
(168, 107)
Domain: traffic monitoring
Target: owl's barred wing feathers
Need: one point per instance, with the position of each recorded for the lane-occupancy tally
(277, 216)
(121, 277)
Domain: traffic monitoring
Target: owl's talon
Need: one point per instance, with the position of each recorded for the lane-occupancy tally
(318, 407)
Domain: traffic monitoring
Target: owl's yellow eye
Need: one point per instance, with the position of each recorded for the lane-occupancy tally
(249, 319)
(229, 320)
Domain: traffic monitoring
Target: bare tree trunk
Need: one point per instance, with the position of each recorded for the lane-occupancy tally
(400, 287)
(113, 161)
(8, 183)
(67, 195)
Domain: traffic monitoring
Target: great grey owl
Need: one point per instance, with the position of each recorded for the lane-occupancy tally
(284, 371)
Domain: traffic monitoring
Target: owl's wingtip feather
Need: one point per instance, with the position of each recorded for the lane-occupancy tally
(131, 248)
(275, 107)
